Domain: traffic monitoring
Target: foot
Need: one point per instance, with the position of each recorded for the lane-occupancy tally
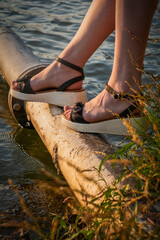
(103, 107)
(52, 77)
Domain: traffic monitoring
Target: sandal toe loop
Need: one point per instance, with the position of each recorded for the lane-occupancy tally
(77, 113)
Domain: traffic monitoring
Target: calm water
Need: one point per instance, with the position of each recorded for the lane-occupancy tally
(46, 27)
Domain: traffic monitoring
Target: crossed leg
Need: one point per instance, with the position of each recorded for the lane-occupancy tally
(133, 21)
(97, 25)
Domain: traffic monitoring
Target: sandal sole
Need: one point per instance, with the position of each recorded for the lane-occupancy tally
(53, 97)
(114, 126)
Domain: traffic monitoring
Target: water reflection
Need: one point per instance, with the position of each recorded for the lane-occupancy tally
(22, 157)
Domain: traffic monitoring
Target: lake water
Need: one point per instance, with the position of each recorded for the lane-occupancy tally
(46, 27)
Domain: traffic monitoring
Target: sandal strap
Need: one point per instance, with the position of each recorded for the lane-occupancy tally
(69, 83)
(71, 65)
(25, 86)
(117, 95)
(77, 113)
(73, 80)
(121, 96)
(129, 111)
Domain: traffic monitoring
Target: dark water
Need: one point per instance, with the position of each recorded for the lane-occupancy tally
(46, 27)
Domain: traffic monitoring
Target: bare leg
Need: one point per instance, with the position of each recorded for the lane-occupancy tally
(89, 37)
(133, 20)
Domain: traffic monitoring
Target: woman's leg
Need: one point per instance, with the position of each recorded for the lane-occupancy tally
(133, 20)
(97, 25)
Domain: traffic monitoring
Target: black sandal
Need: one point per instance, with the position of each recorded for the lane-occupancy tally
(58, 96)
(113, 126)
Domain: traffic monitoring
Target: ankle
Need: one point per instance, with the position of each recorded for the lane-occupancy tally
(55, 75)
(67, 70)
(125, 81)
(127, 86)
(74, 57)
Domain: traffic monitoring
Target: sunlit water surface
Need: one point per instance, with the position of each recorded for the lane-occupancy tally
(47, 27)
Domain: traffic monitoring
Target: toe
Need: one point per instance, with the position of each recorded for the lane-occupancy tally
(66, 107)
(67, 114)
(15, 85)
(67, 111)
